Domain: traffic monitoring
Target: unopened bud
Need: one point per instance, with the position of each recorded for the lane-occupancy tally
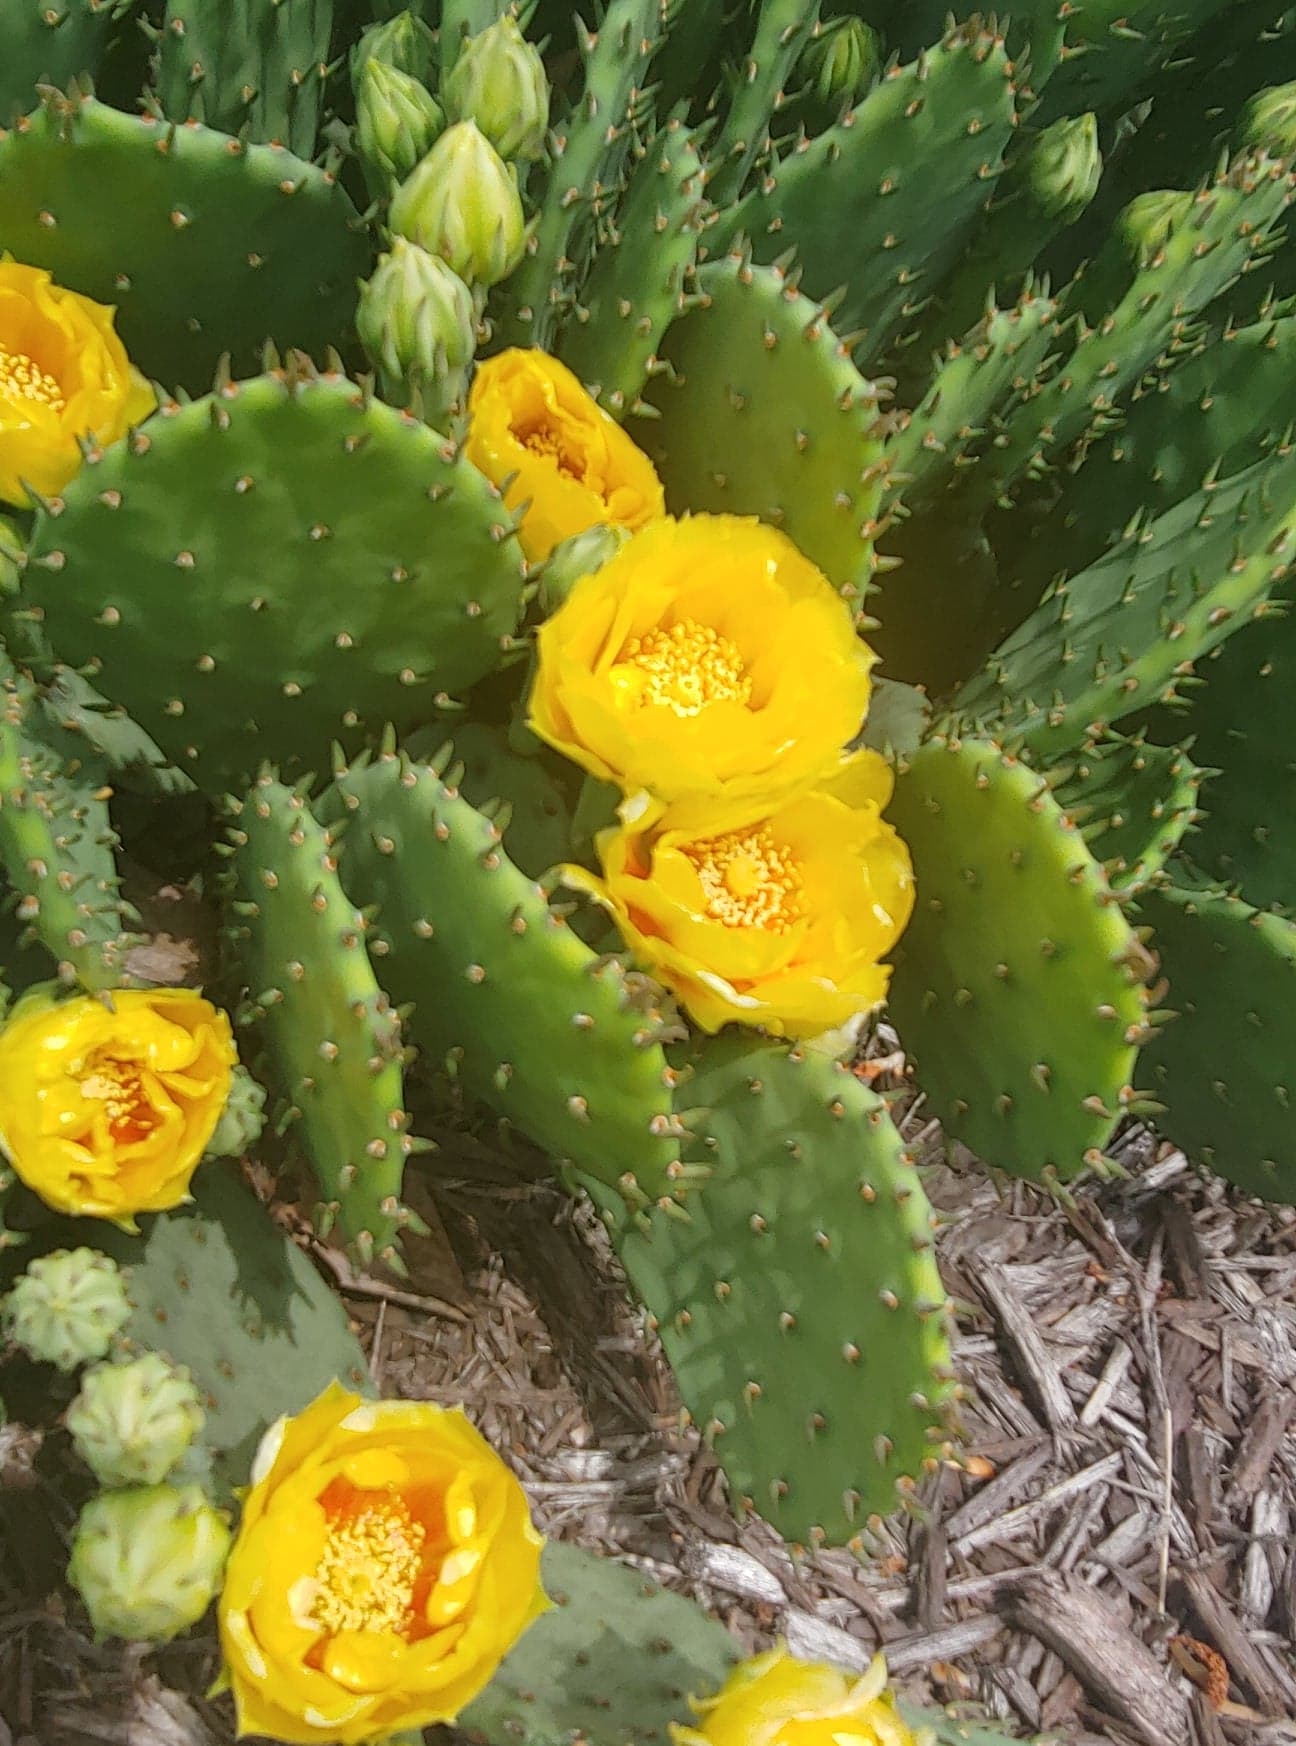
(398, 120)
(67, 1307)
(404, 42)
(462, 204)
(417, 323)
(132, 1423)
(499, 82)
(147, 1562)
(242, 1119)
(1268, 121)
(1145, 225)
(841, 61)
(578, 556)
(1064, 166)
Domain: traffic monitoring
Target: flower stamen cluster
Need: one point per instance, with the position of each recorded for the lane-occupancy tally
(749, 880)
(683, 667)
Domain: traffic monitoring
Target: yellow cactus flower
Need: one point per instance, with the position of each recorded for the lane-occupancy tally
(536, 433)
(779, 922)
(64, 374)
(773, 1700)
(106, 1105)
(384, 1566)
(706, 659)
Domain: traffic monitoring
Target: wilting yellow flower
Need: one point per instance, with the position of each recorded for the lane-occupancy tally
(779, 922)
(573, 465)
(776, 1701)
(106, 1106)
(707, 659)
(385, 1565)
(64, 374)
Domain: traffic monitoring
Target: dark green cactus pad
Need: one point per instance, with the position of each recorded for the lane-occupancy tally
(1133, 802)
(1241, 721)
(613, 1663)
(333, 1044)
(217, 1288)
(255, 68)
(1116, 48)
(757, 89)
(1017, 982)
(215, 246)
(636, 285)
(57, 845)
(50, 44)
(1218, 410)
(521, 795)
(392, 580)
(1225, 1069)
(1116, 638)
(589, 147)
(798, 1300)
(472, 943)
(90, 728)
(883, 201)
(763, 413)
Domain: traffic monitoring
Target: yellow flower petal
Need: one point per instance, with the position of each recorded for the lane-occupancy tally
(773, 1700)
(106, 1109)
(64, 375)
(536, 433)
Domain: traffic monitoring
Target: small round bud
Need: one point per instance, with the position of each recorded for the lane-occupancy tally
(841, 61)
(397, 122)
(404, 42)
(498, 81)
(132, 1423)
(67, 1307)
(1145, 225)
(1064, 166)
(578, 556)
(242, 1119)
(147, 1562)
(462, 204)
(417, 323)
(1268, 121)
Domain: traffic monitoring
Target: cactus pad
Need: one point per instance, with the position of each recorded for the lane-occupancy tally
(1133, 802)
(763, 413)
(1225, 1069)
(614, 1662)
(218, 1289)
(215, 247)
(391, 581)
(799, 1302)
(49, 44)
(1016, 984)
(472, 943)
(333, 1042)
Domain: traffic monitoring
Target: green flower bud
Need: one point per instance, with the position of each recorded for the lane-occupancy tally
(462, 203)
(1146, 223)
(67, 1307)
(417, 323)
(499, 82)
(148, 1562)
(841, 60)
(1268, 120)
(578, 556)
(397, 122)
(242, 1119)
(1063, 167)
(404, 42)
(132, 1423)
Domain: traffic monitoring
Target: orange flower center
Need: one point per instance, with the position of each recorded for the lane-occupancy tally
(117, 1084)
(370, 1566)
(541, 439)
(750, 881)
(687, 666)
(21, 378)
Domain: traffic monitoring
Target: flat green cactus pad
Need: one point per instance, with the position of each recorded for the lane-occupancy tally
(1133, 802)
(1115, 638)
(332, 1040)
(217, 1288)
(613, 1663)
(534, 808)
(50, 44)
(1225, 1069)
(1017, 982)
(214, 248)
(799, 1301)
(466, 938)
(279, 565)
(763, 413)
(1242, 724)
